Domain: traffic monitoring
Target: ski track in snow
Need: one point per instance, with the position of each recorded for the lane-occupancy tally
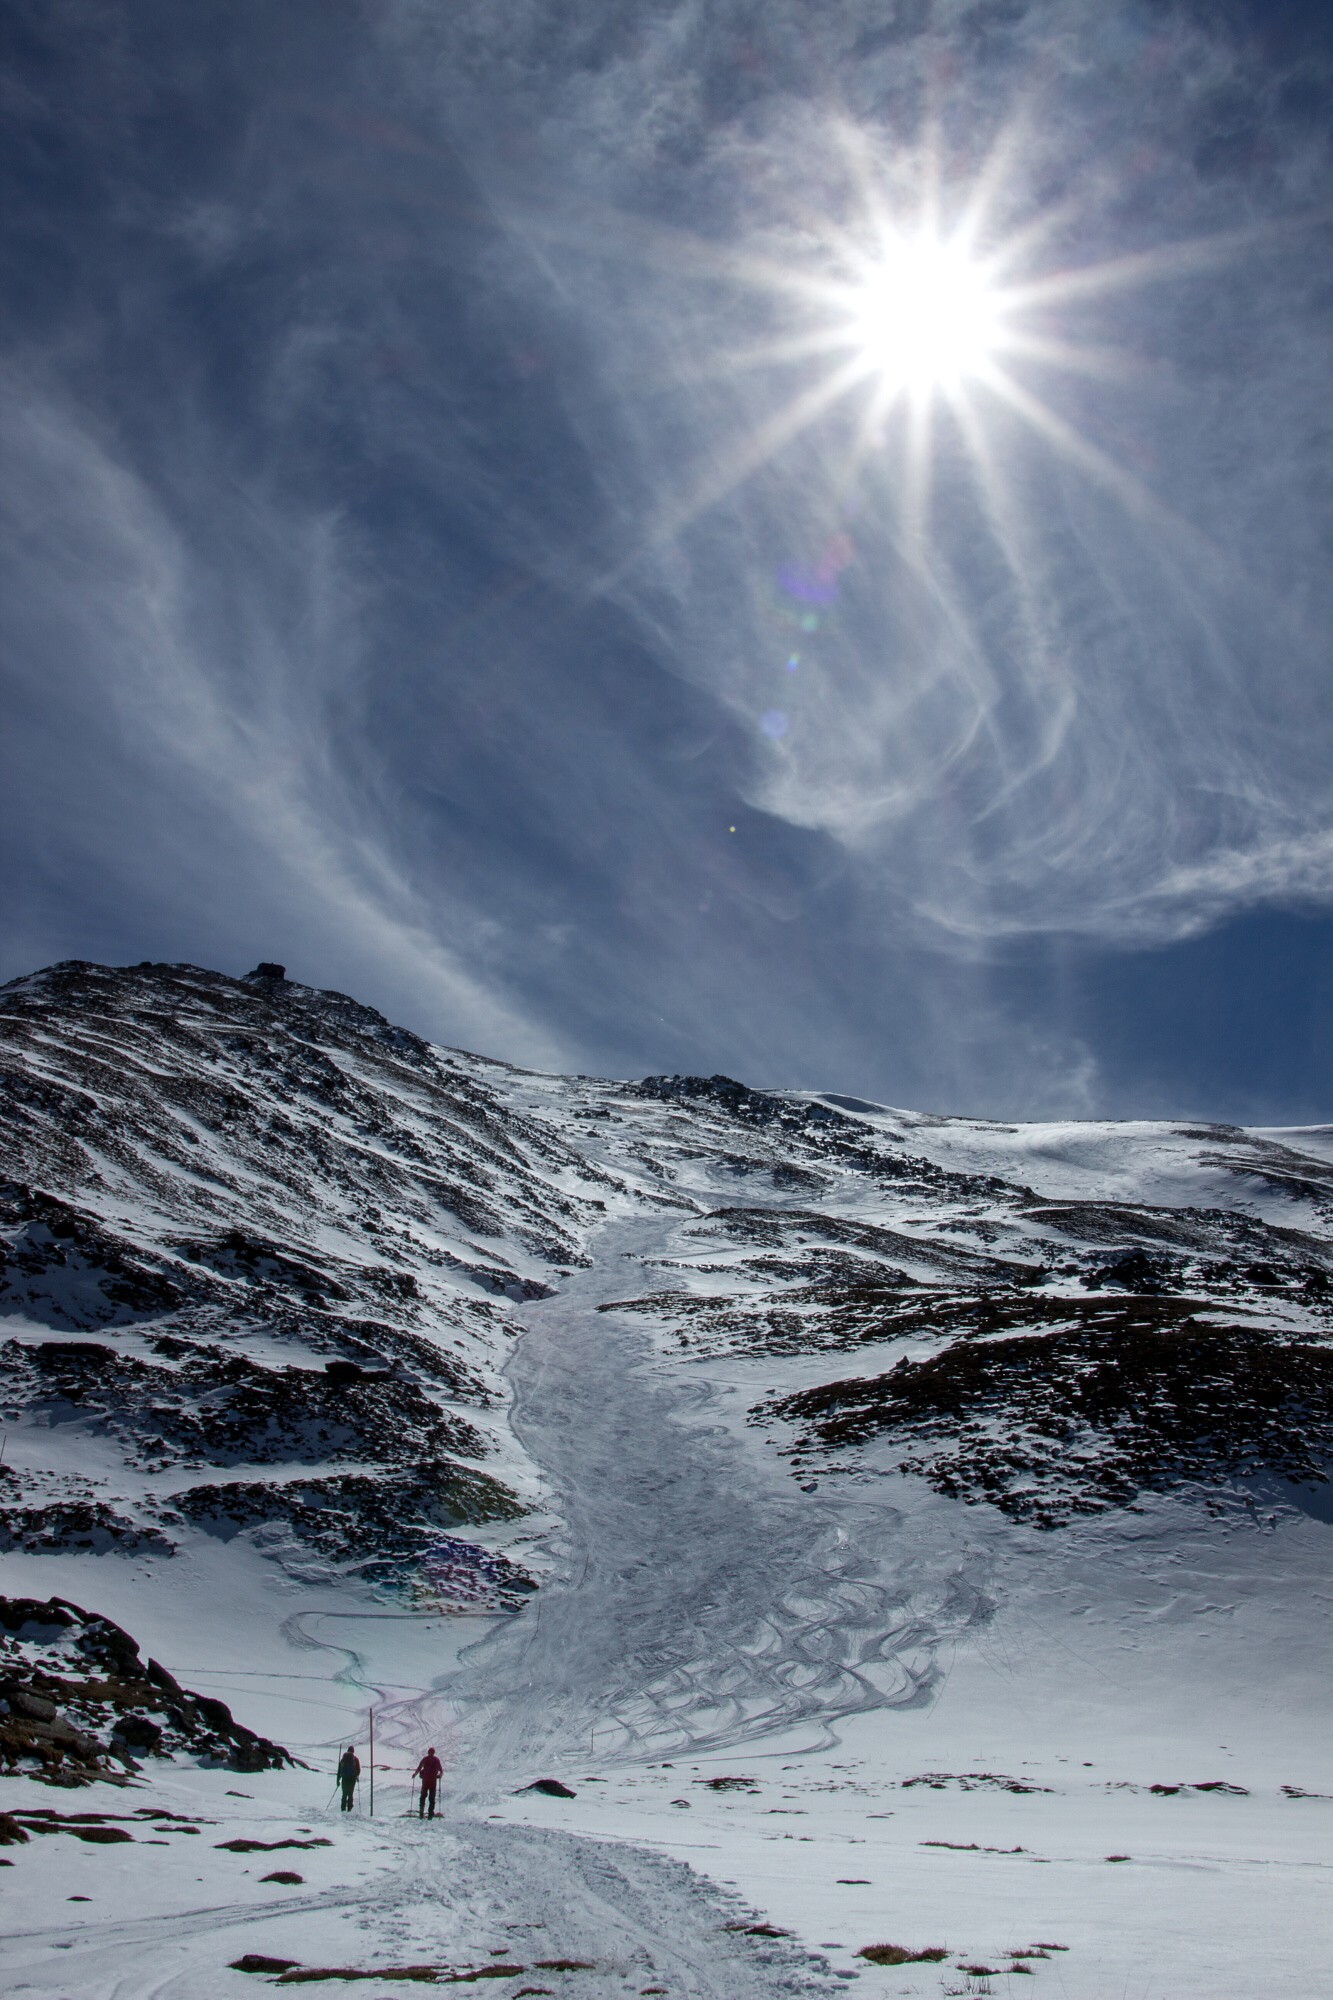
(701, 1604)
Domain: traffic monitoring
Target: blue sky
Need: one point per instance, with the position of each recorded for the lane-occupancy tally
(433, 557)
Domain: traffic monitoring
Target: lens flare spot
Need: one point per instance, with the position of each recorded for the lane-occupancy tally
(774, 723)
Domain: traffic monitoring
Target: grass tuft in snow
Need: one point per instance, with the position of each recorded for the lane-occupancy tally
(901, 1954)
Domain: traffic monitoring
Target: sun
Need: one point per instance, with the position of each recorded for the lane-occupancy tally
(926, 307)
(924, 317)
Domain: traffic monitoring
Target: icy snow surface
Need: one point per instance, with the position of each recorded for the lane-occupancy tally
(963, 1686)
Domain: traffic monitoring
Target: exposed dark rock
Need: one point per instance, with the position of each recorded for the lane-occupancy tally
(1213, 1231)
(243, 1846)
(383, 1525)
(1046, 1426)
(81, 1525)
(78, 1702)
(65, 1269)
(739, 1100)
(778, 1227)
(211, 1403)
(1135, 1272)
(137, 1732)
(972, 1781)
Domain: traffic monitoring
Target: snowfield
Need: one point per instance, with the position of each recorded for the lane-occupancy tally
(888, 1530)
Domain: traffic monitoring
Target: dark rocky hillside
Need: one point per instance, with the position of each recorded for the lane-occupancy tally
(77, 1702)
(1120, 1402)
(246, 1224)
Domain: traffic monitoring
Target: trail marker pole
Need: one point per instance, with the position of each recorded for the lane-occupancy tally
(372, 1763)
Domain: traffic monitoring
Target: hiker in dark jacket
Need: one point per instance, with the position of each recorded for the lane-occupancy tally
(430, 1770)
(349, 1771)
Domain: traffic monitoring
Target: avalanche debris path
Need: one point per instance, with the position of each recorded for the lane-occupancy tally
(700, 1601)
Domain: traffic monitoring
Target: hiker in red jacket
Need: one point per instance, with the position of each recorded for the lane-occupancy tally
(430, 1770)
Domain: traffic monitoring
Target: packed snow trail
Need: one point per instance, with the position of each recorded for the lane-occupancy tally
(701, 1601)
(620, 1914)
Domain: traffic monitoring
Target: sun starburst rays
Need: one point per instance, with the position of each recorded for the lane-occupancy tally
(928, 311)
(921, 319)
(929, 316)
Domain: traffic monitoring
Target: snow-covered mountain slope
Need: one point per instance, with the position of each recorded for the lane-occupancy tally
(946, 1491)
(297, 1234)
(1051, 1352)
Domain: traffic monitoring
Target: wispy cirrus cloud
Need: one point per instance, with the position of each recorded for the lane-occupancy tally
(450, 546)
(1096, 656)
(208, 757)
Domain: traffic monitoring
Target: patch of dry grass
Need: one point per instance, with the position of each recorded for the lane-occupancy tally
(899, 1954)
